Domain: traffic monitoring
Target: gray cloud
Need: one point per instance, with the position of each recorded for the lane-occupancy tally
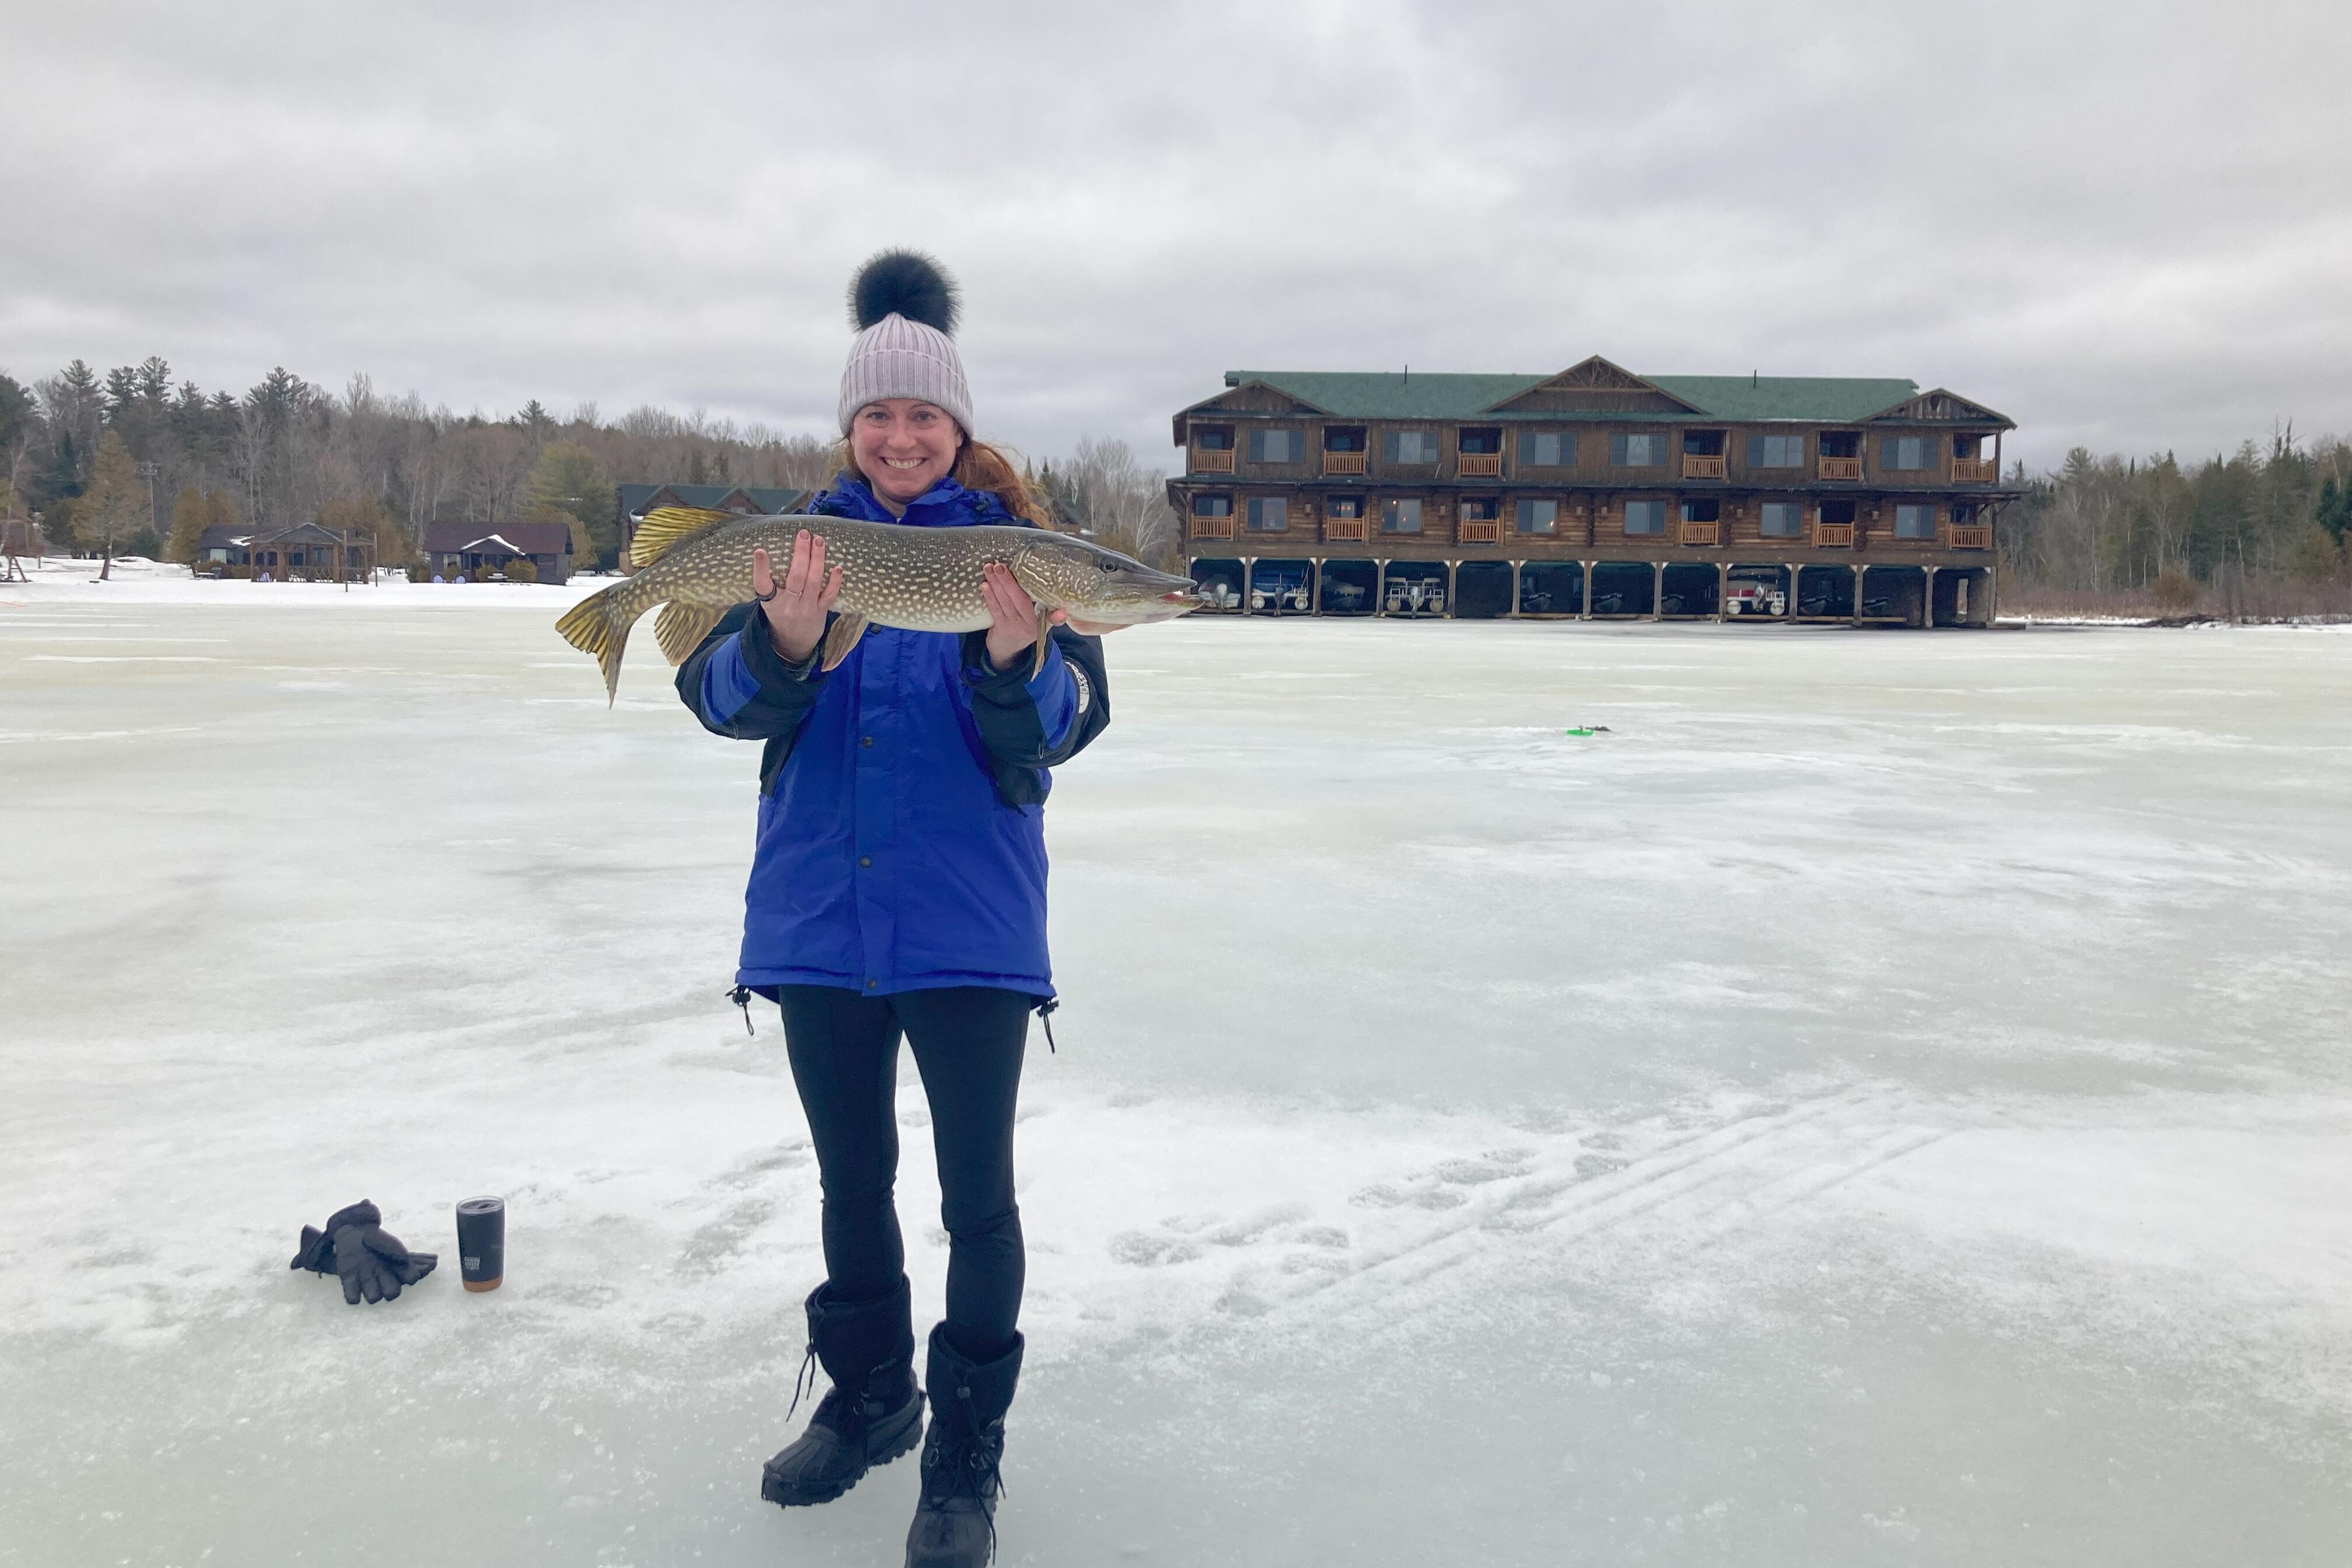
(2124, 224)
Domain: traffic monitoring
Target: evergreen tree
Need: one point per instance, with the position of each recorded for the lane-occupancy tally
(568, 478)
(2333, 511)
(190, 517)
(113, 509)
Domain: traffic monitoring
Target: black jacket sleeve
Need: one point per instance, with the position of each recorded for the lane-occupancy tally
(1010, 725)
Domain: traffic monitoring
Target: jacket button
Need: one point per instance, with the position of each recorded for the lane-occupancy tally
(865, 740)
(871, 984)
(864, 860)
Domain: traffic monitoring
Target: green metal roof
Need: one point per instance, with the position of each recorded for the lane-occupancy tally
(1828, 399)
(1358, 394)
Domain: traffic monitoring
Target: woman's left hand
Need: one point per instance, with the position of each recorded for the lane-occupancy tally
(1011, 615)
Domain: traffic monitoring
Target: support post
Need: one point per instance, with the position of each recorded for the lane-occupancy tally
(1658, 591)
(1513, 613)
(1380, 589)
(1249, 573)
(1453, 568)
(1316, 604)
(1584, 609)
(1857, 593)
(1927, 606)
(1722, 590)
(1789, 605)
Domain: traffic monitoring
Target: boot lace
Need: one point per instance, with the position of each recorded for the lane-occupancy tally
(961, 1462)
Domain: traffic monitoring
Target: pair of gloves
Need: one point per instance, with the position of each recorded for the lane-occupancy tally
(371, 1261)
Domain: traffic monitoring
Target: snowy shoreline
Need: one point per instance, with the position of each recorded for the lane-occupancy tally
(66, 579)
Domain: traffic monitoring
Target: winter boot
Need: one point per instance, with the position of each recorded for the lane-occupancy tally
(955, 1522)
(871, 1414)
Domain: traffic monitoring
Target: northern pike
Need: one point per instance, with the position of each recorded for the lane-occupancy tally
(697, 565)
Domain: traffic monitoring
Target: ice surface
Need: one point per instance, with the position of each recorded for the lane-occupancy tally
(1884, 1100)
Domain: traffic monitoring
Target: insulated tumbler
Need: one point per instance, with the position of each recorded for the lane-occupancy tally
(482, 1242)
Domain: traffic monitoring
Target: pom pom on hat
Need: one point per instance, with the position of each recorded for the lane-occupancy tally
(903, 283)
(904, 306)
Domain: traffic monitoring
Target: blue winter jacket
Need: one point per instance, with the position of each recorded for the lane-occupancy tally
(901, 838)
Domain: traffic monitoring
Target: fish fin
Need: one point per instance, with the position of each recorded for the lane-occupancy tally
(1045, 640)
(664, 527)
(599, 624)
(681, 627)
(847, 627)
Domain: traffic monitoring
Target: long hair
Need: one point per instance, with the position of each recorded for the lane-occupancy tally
(978, 466)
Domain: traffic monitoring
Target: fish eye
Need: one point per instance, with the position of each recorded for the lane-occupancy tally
(1106, 566)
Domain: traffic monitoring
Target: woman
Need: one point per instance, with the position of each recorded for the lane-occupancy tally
(899, 887)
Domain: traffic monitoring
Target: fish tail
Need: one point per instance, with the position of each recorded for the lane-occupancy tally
(599, 624)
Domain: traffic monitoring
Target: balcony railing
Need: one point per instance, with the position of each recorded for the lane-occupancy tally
(1211, 460)
(1973, 471)
(1213, 527)
(1480, 531)
(1343, 530)
(1972, 536)
(1833, 536)
(1336, 463)
(1703, 534)
(1841, 467)
(1698, 467)
(1482, 465)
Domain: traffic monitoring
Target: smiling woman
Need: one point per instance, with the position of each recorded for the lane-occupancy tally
(898, 891)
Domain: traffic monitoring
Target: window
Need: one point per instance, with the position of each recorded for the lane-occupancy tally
(1776, 451)
(1212, 505)
(1479, 509)
(1539, 517)
(1915, 522)
(1548, 449)
(1269, 514)
(1344, 506)
(1702, 444)
(1637, 451)
(1400, 517)
(1275, 446)
(1966, 446)
(1705, 511)
(1782, 519)
(1409, 446)
(1343, 438)
(1903, 453)
(1645, 517)
(1486, 442)
(1213, 438)
(1840, 443)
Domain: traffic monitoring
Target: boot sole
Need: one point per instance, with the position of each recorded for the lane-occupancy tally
(896, 1443)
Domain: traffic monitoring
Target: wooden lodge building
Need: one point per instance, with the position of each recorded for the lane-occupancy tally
(1594, 493)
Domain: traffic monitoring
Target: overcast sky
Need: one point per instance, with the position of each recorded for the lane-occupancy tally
(2127, 226)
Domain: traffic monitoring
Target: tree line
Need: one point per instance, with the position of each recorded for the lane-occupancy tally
(2262, 526)
(130, 461)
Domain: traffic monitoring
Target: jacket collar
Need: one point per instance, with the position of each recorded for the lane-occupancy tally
(946, 504)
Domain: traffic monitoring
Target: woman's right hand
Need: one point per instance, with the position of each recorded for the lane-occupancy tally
(795, 607)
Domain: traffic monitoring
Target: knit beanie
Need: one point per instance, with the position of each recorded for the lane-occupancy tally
(904, 308)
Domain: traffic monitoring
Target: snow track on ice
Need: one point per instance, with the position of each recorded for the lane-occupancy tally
(1690, 1191)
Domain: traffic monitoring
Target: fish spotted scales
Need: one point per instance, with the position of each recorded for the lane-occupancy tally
(696, 565)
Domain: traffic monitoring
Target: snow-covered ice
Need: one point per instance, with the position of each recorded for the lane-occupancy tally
(1883, 1101)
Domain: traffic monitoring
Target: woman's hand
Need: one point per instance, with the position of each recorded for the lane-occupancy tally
(1011, 615)
(795, 607)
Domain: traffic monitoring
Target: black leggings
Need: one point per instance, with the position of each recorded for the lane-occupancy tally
(968, 1042)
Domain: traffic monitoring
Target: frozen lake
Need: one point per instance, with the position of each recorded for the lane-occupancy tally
(1885, 1100)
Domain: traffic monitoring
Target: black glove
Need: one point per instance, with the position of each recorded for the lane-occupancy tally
(370, 1260)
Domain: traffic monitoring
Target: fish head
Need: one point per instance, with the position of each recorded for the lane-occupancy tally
(1099, 587)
